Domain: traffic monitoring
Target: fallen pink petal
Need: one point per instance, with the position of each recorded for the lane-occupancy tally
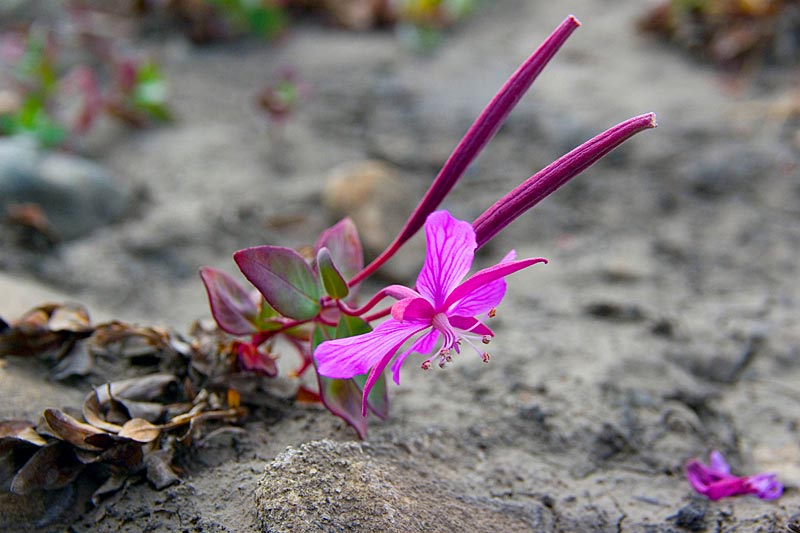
(715, 480)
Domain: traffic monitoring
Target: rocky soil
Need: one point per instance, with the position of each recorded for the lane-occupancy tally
(666, 324)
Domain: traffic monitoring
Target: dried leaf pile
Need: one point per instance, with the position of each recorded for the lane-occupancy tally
(125, 428)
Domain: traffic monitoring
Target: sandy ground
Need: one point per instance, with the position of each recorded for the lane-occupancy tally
(665, 325)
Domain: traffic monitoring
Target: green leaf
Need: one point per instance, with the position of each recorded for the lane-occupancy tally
(150, 92)
(32, 119)
(268, 318)
(342, 397)
(332, 281)
(350, 326)
(321, 334)
(284, 278)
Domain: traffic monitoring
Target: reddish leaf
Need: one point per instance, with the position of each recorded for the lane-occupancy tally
(344, 245)
(253, 359)
(231, 305)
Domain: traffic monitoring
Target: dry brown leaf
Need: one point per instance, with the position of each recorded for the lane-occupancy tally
(92, 409)
(150, 411)
(140, 430)
(127, 454)
(70, 429)
(110, 486)
(73, 318)
(21, 430)
(159, 471)
(52, 467)
(152, 387)
(47, 329)
(77, 362)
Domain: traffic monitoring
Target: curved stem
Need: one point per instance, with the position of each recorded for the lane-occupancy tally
(379, 314)
(263, 336)
(393, 291)
(325, 322)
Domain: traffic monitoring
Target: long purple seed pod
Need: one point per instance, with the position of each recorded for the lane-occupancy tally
(534, 189)
(475, 139)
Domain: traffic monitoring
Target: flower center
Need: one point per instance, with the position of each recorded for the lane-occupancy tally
(452, 341)
(442, 323)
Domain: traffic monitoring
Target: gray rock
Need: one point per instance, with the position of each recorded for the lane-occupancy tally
(334, 486)
(75, 194)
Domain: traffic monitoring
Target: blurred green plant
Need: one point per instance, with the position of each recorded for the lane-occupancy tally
(421, 23)
(266, 18)
(281, 98)
(46, 95)
(208, 21)
(33, 72)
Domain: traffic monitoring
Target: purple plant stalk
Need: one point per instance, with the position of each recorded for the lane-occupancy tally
(479, 134)
(534, 189)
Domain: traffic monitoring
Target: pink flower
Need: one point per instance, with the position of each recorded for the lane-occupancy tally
(715, 480)
(443, 309)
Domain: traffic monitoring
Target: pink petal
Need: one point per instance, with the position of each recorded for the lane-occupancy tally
(731, 486)
(699, 476)
(718, 463)
(451, 247)
(715, 481)
(486, 276)
(351, 356)
(766, 486)
(423, 345)
(483, 299)
(471, 325)
(412, 309)
(399, 292)
(375, 373)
